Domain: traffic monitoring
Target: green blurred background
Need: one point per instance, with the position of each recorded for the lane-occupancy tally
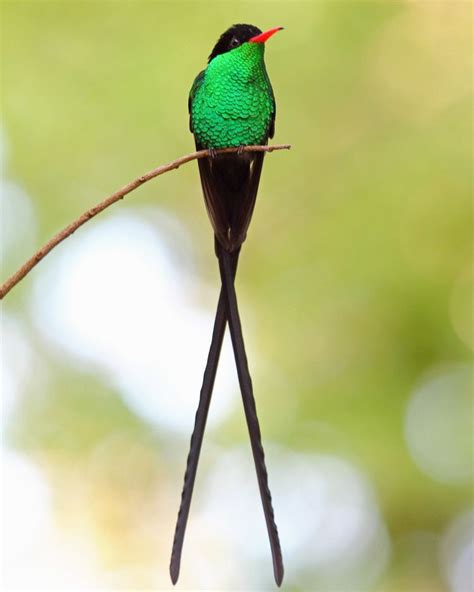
(355, 286)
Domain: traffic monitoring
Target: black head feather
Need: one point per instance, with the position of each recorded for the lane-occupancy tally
(232, 38)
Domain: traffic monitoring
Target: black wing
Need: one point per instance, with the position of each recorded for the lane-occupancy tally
(230, 183)
(271, 127)
(192, 93)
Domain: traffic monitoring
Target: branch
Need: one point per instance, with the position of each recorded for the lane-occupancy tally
(108, 201)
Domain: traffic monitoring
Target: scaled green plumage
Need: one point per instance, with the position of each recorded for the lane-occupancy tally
(231, 102)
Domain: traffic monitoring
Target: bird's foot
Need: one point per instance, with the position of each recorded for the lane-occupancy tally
(212, 152)
(240, 149)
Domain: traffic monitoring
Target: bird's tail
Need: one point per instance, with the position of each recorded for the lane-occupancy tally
(199, 427)
(227, 277)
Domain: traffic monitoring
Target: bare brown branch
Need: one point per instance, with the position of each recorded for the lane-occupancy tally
(108, 201)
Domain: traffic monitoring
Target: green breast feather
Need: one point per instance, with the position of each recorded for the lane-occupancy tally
(231, 102)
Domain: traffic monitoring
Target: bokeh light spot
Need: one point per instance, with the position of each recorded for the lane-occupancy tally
(457, 553)
(329, 522)
(438, 426)
(116, 302)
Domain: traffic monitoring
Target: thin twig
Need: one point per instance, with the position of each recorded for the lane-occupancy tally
(108, 201)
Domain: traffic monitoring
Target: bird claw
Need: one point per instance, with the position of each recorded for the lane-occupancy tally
(240, 150)
(212, 153)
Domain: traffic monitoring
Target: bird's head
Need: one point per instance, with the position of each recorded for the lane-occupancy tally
(241, 35)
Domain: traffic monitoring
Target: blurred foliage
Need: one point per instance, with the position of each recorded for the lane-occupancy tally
(361, 234)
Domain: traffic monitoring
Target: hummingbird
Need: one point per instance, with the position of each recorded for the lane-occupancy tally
(231, 104)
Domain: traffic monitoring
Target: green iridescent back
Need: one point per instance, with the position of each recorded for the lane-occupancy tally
(231, 102)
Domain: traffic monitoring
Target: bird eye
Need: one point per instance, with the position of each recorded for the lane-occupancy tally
(234, 42)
